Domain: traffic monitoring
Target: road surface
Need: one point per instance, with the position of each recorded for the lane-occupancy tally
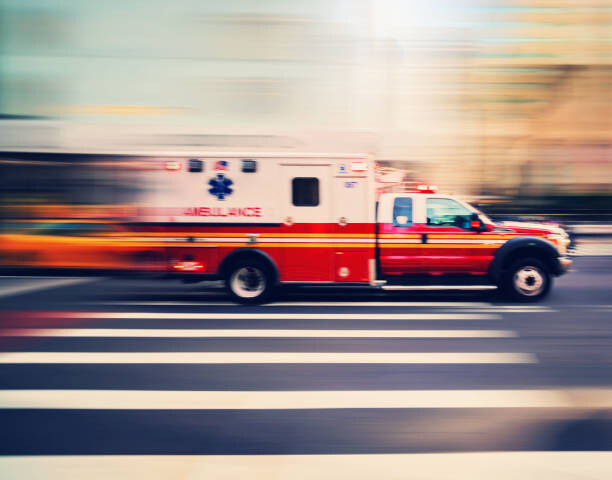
(111, 377)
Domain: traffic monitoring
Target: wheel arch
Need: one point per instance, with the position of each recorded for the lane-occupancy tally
(244, 254)
(524, 247)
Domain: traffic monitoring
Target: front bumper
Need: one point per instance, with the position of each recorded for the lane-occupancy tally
(565, 264)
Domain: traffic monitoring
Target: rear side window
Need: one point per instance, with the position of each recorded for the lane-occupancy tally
(402, 212)
(305, 191)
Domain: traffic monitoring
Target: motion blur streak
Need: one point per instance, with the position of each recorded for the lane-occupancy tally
(506, 101)
(399, 174)
(464, 466)
(147, 399)
(267, 357)
(181, 333)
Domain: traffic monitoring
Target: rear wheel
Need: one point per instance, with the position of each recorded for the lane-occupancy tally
(249, 281)
(527, 280)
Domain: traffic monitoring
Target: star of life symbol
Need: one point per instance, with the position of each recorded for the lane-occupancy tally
(220, 186)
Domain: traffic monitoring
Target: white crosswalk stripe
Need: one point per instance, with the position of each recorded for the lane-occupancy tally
(292, 400)
(241, 333)
(593, 249)
(285, 316)
(430, 466)
(267, 357)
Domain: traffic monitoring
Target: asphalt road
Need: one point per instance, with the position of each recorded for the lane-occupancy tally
(124, 367)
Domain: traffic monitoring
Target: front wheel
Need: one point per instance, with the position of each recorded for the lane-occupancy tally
(527, 280)
(249, 282)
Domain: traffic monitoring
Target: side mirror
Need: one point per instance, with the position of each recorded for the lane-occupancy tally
(476, 224)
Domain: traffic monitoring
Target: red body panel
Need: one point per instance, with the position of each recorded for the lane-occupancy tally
(302, 252)
(425, 249)
(399, 256)
(329, 252)
(444, 254)
(350, 267)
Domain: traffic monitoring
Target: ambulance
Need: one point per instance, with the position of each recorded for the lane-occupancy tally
(258, 221)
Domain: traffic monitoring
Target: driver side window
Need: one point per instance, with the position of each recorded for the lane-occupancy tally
(445, 212)
(402, 212)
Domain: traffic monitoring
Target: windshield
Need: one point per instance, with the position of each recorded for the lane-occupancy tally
(482, 215)
(485, 218)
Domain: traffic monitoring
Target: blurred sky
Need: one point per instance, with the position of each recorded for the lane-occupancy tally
(486, 85)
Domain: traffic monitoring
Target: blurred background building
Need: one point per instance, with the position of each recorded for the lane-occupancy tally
(496, 98)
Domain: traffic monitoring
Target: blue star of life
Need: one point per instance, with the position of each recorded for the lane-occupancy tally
(220, 186)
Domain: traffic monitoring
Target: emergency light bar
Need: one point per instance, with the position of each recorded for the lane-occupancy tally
(172, 165)
(422, 188)
(359, 166)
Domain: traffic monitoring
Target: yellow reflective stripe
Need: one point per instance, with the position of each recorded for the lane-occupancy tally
(317, 235)
(297, 244)
(461, 245)
(305, 245)
(469, 237)
(438, 245)
(395, 235)
(245, 243)
(245, 233)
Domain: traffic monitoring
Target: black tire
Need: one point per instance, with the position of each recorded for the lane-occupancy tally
(526, 280)
(249, 281)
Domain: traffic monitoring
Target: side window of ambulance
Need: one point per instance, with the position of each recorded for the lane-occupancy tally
(305, 191)
(402, 212)
(444, 212)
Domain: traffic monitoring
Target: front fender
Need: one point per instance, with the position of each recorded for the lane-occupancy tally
(533, 246)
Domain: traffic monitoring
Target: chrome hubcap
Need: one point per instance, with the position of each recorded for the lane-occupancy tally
(248, 282)
(529, 280)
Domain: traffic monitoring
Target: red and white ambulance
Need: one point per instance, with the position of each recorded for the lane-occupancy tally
(259, 221)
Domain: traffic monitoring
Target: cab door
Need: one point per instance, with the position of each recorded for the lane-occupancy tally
(449, 243)
(399, 239)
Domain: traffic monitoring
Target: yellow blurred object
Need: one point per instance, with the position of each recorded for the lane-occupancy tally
(95, 245)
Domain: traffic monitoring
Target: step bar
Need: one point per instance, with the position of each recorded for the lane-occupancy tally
(439, 287)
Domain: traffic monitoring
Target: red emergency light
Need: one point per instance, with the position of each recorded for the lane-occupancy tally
(172, 165)
(422, 188)
(188, 266)
(359, 166)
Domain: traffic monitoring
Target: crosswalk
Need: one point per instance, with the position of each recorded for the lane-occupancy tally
(603, 249)
(440, 466)
(265, 400)
(303, 379)
(251, 333)
(239, 358)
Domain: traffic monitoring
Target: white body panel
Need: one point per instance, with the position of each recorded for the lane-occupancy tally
(263, 196)
(291, 213)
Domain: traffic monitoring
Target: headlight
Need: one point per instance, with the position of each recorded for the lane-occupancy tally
(561, 241)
